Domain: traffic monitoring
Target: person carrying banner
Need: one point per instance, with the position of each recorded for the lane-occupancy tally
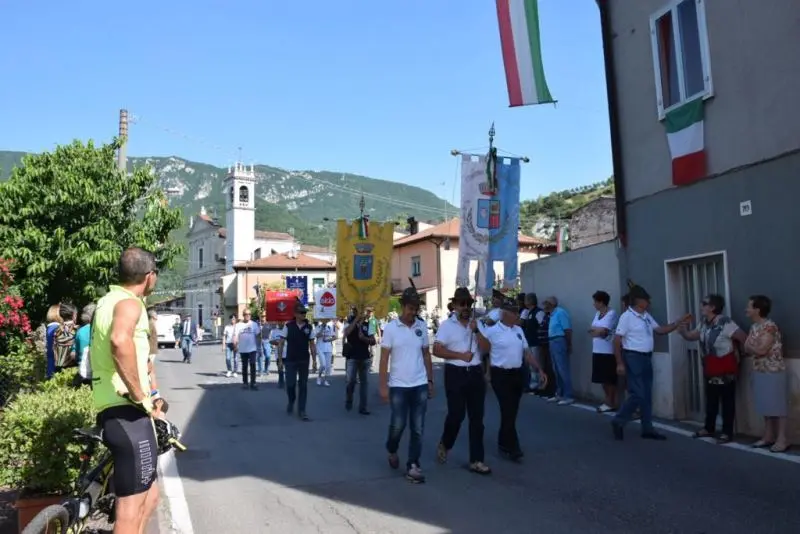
(463, 381)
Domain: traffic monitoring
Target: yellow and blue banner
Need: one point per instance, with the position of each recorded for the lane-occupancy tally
(363, 266)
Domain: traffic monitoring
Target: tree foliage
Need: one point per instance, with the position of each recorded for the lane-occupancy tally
(66, 215)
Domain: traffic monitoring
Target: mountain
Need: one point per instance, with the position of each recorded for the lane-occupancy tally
(287, 201)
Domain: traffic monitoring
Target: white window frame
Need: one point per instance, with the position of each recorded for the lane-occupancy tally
(705, 56)
(416, 261)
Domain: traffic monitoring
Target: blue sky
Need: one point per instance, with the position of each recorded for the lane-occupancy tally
(380, 88)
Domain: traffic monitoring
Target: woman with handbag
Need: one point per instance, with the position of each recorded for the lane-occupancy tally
(716, 334)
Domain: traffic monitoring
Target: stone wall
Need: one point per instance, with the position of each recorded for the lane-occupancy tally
(593, 223)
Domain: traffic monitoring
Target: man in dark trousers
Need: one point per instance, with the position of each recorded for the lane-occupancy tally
(298, 336)
(463, 381)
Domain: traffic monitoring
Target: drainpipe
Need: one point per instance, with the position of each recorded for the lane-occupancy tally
(438, 245)
(613, 120)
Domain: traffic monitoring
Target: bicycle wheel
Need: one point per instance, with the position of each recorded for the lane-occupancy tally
(52, 520)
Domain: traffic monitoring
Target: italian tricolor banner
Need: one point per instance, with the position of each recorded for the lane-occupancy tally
(522, 52)
(686, 145)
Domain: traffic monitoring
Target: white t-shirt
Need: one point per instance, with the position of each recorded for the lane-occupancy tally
(458, 338)
(636, 331)
(229, 332)
(406, 365)
(495, 314)
(604, 345)
(327, 334)
(246, 332)
(508, 345)
(723, 344)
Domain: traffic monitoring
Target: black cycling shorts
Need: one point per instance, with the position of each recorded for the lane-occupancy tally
(129, 434)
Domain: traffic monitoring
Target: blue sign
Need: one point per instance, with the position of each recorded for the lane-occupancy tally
(299, 283)
(362, 266)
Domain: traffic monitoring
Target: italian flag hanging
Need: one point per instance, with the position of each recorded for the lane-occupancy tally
(686, 145)
(363, 227)
(522, 52)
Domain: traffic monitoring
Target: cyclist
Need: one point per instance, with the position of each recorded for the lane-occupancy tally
(120, 352)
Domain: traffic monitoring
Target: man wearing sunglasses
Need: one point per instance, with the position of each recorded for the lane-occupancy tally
(298, 338)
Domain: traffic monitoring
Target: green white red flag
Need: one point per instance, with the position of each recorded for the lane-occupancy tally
(685, 132)
(522, 52)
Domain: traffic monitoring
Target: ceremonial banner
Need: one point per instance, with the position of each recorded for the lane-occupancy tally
(325, 303)
(489, 220)
(363, 266)
(522, 52)
(279, 305)
(299, 283)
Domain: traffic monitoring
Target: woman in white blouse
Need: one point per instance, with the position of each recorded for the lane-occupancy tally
(604, 365)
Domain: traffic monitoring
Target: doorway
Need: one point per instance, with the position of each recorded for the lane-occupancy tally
(688, 281)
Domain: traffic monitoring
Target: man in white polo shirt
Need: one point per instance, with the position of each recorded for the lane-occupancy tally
(633, 349)
(464, 384)
(408, 384)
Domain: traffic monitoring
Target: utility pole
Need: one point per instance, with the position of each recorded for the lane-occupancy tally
(122, 153)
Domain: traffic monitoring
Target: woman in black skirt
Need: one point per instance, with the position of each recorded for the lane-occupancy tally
(604, 366)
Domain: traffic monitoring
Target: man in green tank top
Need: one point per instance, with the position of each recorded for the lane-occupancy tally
(121, 390)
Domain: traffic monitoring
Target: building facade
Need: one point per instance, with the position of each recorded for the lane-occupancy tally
(730, 231)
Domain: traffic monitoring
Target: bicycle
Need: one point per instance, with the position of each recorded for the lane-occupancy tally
(93, 495)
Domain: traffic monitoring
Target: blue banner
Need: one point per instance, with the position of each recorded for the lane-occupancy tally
(301, 284)
(503, 223)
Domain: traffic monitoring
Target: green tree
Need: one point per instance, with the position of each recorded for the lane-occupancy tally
(66, 215)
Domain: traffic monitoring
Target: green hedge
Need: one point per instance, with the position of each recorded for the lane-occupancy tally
(37, 452)
(21, 369)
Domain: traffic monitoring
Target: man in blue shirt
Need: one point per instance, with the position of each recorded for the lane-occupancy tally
(560, 342)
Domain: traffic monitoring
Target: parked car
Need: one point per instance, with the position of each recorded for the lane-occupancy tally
(165, 328)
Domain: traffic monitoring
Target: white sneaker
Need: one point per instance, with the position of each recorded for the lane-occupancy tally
(603, 408)
(228, 374)
(553, 399)
(235, 374)
(566, 402)
(326, 384)
(319, 381)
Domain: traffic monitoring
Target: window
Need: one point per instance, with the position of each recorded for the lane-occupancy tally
(680, 54)
(200, 258)
(231, 195)
(416, 266)
(200, 315)
(318, 283)
(244, 195)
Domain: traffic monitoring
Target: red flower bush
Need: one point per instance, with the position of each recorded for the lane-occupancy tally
(14, 322)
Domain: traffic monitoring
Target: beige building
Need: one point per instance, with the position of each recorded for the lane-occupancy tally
(430, 258)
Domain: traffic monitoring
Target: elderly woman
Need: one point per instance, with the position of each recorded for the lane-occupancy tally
(604, 364)
(716, 334)
(508, 350)
(770, 382)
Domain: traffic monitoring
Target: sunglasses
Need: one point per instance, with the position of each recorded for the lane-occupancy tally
(706, 303)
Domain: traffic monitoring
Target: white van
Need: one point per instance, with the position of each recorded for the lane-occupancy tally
(165, 324)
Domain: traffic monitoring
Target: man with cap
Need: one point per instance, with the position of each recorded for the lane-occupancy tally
(409, 385)
(298, 338)
(633, 349)
(464, 384)
(508, 350)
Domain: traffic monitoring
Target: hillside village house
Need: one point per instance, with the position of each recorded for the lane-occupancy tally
(212, 247)
(706, 198)
(429, 255)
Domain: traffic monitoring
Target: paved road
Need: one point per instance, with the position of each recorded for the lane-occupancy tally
(254, 469)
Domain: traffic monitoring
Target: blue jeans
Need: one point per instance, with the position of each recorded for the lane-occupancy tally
(186, 347)
(357, 371)
(639, 377)
(408, 406)
(560, 356)
(230, 358)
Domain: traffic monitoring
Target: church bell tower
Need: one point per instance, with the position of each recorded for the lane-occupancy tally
(240, 216)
